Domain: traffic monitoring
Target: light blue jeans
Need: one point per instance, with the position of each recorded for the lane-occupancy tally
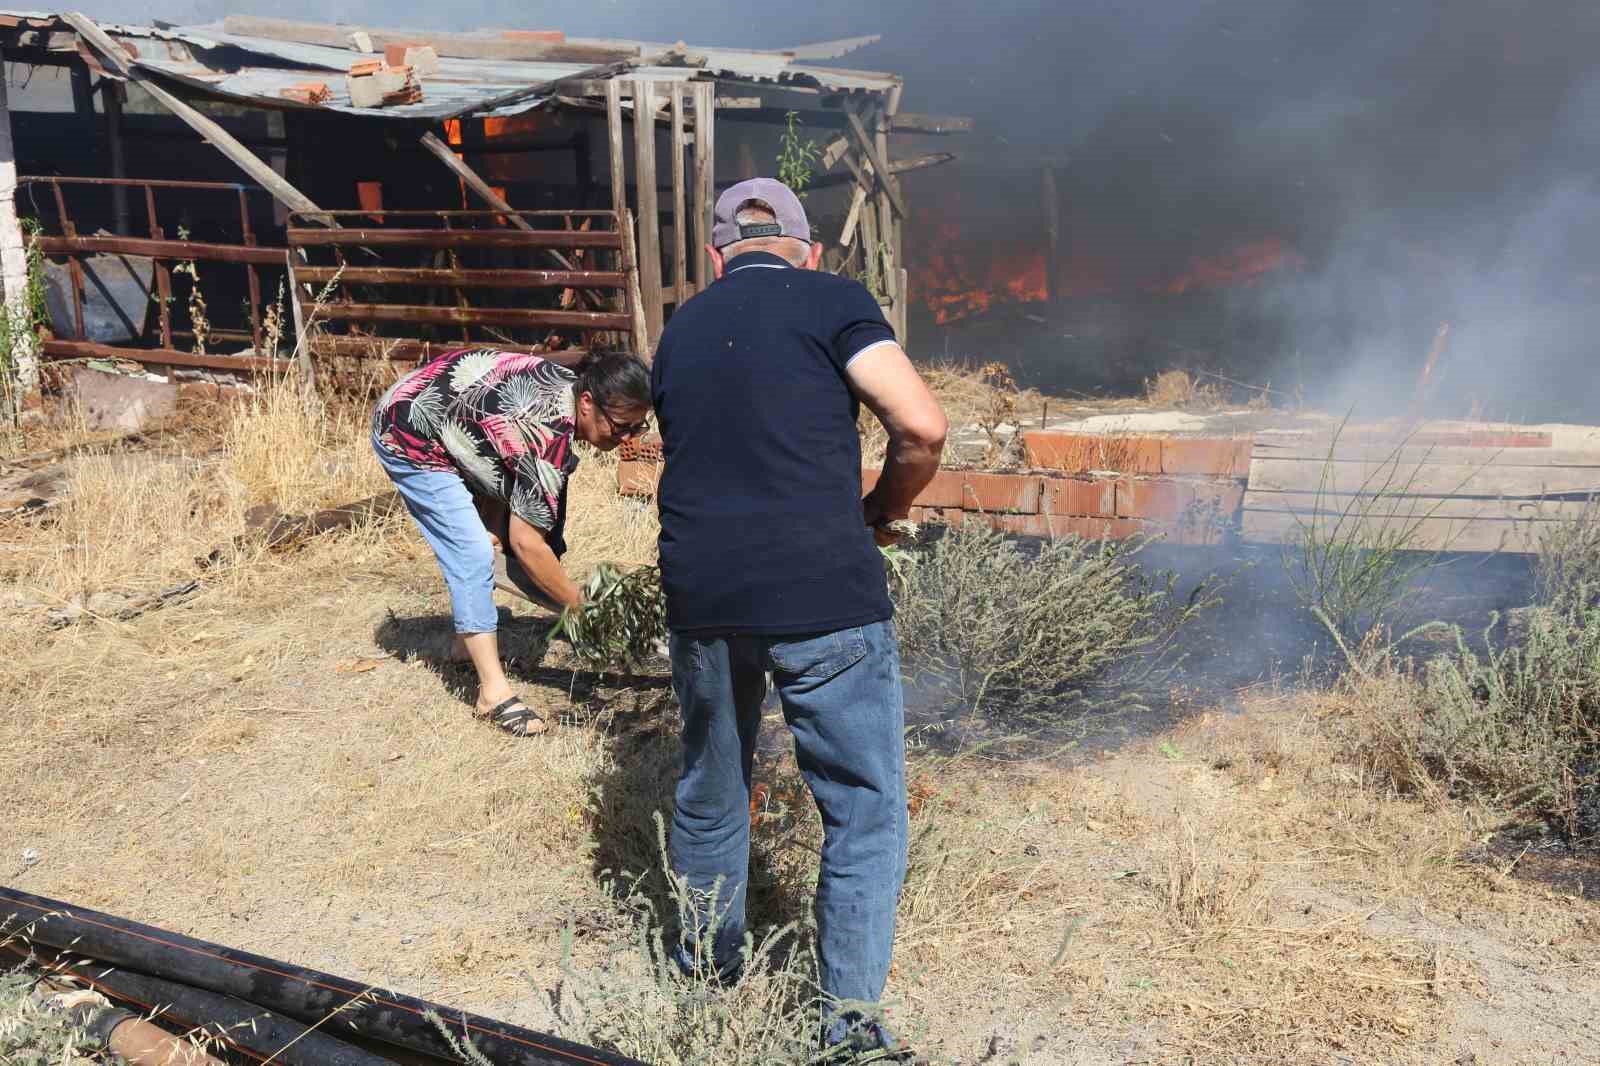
(842, 700)
(442, 506)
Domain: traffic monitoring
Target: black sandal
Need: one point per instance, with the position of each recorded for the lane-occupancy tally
(518, 719)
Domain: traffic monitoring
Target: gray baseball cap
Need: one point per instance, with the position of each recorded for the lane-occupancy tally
(774, 194)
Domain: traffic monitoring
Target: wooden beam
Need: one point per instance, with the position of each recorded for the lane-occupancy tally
(879, 159)
(220, 138)
(680, 239)
(1387, 478)
(649, 217)
(833, 153)
(857, 202)
(457, 45)
(14, 265)
(1351, 509)
(906, 122)
(893, 224)
(643, 346)
(1421, 534)
(705, 177)
(619, 172)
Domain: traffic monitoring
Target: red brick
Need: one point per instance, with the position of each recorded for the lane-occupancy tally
(646, 448)
(636, 477)
(1209, 456)
(1211, 513)
(943, 491)
(1027, 525)
(198, 392)
(1096, 528)
(869, 478)
(1155, 499)
(1079, 496)
(1080, 453)
(1001, 493)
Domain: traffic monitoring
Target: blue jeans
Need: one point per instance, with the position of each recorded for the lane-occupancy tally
(842, 700)
(442, 506)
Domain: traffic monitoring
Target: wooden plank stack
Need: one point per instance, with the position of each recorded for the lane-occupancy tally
(1497, 493)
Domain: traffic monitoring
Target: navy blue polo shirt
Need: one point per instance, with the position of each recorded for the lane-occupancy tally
(760, 495)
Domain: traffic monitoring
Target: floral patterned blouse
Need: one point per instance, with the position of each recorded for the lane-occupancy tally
(502, 420)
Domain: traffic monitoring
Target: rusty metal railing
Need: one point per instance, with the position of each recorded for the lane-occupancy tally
(66, 241)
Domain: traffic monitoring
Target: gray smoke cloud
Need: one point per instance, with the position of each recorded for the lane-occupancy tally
(1428, 161)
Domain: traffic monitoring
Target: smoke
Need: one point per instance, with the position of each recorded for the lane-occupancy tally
(1426, 161)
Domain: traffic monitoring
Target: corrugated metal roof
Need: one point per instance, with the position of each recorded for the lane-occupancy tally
(206, 58)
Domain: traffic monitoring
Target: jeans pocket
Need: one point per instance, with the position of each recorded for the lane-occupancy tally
(818, 658)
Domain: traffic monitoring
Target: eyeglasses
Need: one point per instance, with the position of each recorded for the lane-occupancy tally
(625, 429)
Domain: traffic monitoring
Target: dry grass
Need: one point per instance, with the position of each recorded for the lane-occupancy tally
(276, 765)
(973, 397)
(1179, 388)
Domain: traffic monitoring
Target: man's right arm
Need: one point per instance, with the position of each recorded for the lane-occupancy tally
(884, 379)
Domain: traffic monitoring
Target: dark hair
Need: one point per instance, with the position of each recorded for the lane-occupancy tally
(614, 379)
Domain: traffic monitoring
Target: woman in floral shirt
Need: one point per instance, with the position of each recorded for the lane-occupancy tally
(483, 428)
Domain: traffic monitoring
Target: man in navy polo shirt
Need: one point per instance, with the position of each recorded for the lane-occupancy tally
(769, 563)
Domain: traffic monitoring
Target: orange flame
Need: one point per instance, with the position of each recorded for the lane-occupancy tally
(1243, 264)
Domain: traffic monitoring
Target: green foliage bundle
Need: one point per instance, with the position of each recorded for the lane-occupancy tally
(621, 623)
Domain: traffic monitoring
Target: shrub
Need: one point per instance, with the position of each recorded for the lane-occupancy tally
(1520, 725)
(997, 628)
(30, 1035)
(1569, 555)
(637, 1002)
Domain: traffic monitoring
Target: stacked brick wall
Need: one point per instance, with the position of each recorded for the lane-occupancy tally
(1185, 489)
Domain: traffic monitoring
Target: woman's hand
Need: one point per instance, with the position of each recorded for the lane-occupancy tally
(492, 513)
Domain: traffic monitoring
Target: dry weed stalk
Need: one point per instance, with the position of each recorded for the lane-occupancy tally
(1210, 898)
(1179, 388)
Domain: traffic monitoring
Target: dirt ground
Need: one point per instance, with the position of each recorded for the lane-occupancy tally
(279, 764)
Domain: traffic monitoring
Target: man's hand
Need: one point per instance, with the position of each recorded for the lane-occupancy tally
(877, 519)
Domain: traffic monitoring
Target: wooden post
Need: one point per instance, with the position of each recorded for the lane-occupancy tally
(705, 173)
(111, 102)
(302, 340)
(630, 265)
(220, 138)
(680, 239)
(896, 234)
(619, 167)
(1052, 233)
(14, 265)
(649, 217)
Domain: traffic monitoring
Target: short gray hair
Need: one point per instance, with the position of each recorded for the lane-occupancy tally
(784, 247)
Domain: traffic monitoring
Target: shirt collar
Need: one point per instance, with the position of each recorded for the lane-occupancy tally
(755, 259)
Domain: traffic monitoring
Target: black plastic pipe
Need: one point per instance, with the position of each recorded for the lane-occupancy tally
(254, 1031)
(306, 995)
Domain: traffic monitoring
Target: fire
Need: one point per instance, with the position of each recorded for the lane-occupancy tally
(956, 280)
(1243, 264)
(955, 284)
